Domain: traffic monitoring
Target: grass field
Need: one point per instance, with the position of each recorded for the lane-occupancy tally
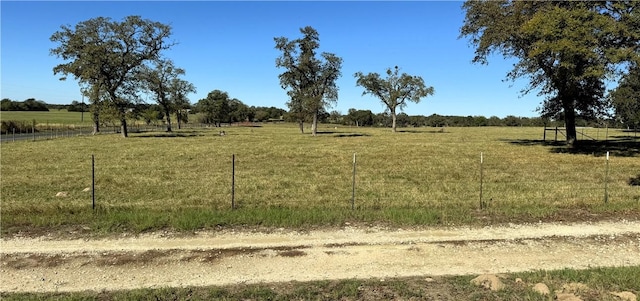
(53, 117)
(418, 176)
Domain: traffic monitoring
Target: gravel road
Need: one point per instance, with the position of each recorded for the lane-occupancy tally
(219, 258)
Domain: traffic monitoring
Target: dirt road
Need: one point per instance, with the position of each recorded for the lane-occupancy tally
(219, 258)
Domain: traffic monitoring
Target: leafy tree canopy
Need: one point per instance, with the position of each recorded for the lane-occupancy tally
(395, 90)
(107, 55)
(566, 48)
(626, 98)
(311, 81)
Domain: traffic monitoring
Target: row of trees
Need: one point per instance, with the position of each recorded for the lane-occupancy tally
(77, 106)
(566, 49)
(367, 118)
(310, 81)
(30, 104)
(219, 108)
(116, 62)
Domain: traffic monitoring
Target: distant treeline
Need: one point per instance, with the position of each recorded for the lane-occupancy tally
(28, 105)
(75, 106)
(367, 118)
(152, 113)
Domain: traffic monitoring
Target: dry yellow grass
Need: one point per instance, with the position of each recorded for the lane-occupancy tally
(416, 176)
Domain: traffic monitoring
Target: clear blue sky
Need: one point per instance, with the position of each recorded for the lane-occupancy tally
(229, 46)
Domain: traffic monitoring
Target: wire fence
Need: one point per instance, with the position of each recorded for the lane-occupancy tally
(452, 179)
(48, 132)
(492, 181)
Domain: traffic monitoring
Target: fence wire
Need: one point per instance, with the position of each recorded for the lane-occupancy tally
(431, 181)
(300, 185)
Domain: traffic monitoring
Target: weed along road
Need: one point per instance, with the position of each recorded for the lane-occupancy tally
(230, 257)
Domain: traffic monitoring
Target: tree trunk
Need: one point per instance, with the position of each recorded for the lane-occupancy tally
(123, 126)
(393, 120)
(314, 125)
(570, 123)
(178, 119)
(301, 125)
(96, 123)
(168, 119)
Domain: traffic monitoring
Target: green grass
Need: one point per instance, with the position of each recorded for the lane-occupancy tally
(52, 117)
(421, 176)
(599, 281)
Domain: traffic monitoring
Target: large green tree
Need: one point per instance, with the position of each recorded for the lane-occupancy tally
(566, 49)
(179, 89)
(626, 98)
(108, 55)
(395, 90)
(163, 80)
(310, 80)
(215, 107)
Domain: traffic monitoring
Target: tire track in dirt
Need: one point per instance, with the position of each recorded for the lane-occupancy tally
(155, 260)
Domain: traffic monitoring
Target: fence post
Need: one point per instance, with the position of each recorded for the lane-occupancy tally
(556, 138)
(33, 132)
(353, 184)
(233, 181)
(93, 183)
(606, 182)
(481, 180)
(14, 134)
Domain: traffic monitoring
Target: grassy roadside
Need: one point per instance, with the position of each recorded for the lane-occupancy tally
(598, 285)
(418, 177)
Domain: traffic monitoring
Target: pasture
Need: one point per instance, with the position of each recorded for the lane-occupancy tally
(52, 117)
(420, 176)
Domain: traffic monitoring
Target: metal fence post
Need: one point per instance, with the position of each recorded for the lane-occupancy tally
(93, 183)
(233, 181)
(353, 184)
(606, 181)
(482, 205)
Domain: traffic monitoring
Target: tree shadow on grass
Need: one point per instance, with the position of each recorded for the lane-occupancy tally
(624, 147)
(343, 135)
(423, 132)
(325, 132)
(169, 135)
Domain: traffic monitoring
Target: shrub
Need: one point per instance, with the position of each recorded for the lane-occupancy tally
(8, 126)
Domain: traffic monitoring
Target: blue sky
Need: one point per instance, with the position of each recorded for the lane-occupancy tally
(229, 46)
